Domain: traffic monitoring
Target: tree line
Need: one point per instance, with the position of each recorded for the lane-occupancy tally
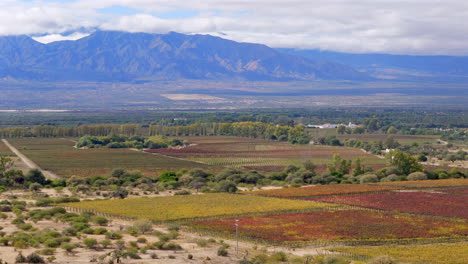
(295, 134)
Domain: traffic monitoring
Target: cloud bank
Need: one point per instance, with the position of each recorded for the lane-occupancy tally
(429, 27)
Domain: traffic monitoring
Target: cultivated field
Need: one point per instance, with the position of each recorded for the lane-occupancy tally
(402, 139)
(59, 155)
(185, 207)
(4, 150)
(417, 202)
(335, 226)
(260, 154)
(440, 253)
(319, 190)
(427, 184)
(459, 191)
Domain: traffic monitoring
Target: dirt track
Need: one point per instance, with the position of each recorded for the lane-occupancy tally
(29, 162)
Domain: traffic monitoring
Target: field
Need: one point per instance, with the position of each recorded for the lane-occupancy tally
(427, 203)
(440, 253)
(194, 206)
(459, 191)
(321, 190)
(4, 150)
(427, 184)
(402, 139)
(260, 154)
(335, 225)
(59, 156)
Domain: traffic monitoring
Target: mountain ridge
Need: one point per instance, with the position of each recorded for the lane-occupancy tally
(121, 56)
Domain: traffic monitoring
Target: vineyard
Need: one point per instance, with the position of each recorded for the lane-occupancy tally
(416, 202)
(439, 253)
(59, 156)
(4, 150)
(321, 190)
(427, 183)
(460, 191)
(240, 152)
(195, 206)
(336, 226)
(403, 139)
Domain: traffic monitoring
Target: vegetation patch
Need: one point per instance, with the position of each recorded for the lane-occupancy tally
(194, 206)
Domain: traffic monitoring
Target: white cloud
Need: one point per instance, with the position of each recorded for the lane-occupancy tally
(390, 26)
(58, 37)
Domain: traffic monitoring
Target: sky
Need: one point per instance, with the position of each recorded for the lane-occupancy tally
(418, 27)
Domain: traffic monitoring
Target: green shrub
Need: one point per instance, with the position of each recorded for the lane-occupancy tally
(47, 251)
(222, 251)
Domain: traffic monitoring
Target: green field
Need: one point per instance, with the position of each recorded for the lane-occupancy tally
(59, 156)
(195, 206)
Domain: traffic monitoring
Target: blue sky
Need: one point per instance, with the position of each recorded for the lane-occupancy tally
(423, 27)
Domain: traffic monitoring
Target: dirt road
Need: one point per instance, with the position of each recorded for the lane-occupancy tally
(28, 162)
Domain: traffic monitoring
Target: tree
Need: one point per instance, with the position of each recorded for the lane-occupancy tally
(309, 165)
(392, 130)
(358, 170)
(35, 175)
(341, 129)
(168, 176)
(391, 143)
(143, 225)
(403, 162)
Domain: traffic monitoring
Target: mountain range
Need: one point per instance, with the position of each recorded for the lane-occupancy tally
(134, 57)
(396, 67)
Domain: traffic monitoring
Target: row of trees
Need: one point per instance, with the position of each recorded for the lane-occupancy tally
(294, 134)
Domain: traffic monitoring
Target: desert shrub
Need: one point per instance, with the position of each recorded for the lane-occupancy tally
(34, 258)
(222, 251)
(105, 243)
(46, 251)
(90, 242)
(99, 220)
(172, 246)
(280, 256)
(182, 192)
(113, 235)
(68, 247)
(88, 231)
(142, 240)
(100, 231)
